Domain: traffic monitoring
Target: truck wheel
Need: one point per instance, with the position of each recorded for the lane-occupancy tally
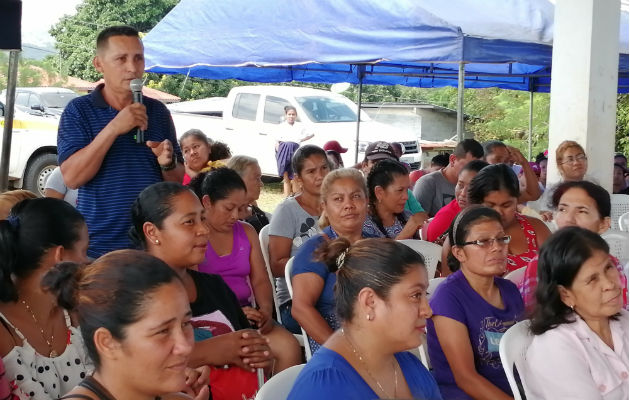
(38, 171)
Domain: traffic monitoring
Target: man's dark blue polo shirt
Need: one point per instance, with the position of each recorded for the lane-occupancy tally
(128, 168)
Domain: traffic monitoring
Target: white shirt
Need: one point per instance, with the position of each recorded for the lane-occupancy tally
(290, 133)
(572, 362)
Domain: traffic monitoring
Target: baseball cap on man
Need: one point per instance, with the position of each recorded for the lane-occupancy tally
(380, 150)
(335, 146)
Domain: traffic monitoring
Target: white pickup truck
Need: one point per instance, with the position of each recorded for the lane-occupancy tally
(251, 115)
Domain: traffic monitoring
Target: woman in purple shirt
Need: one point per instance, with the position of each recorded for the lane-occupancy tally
(234, 253)
(472, 309)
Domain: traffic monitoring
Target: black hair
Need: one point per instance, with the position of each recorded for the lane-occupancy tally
(377, 264)
(540, 157)
(622, 156)
(33, 227)
(112, 292)
(218, 184)
(493, 178)
(118, 30)
(441, 159)
(490, 145)
(219, 151)
(337, 157)
(383, 174)
(463, 223)
(304, 152)
(559, 261)
(475, 166)
(594, 191)
(153, 204)
(288, 108)
(468, 146)
(197, 134)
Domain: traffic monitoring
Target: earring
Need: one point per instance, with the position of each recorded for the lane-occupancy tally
(573, 307)
(368, 317)
(157, 241)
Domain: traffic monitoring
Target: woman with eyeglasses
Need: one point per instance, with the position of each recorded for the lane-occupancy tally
(472, 309)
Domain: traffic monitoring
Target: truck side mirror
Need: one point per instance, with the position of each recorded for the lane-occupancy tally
(37, 107)
(1, 110)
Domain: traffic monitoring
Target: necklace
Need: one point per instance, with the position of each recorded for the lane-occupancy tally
(52, 352)
(358, 355)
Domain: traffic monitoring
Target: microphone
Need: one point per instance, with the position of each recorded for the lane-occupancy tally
(136, 89)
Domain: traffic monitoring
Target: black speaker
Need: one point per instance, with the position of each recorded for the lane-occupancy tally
(10, 24)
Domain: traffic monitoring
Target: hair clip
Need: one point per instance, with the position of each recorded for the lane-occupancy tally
(341, 258)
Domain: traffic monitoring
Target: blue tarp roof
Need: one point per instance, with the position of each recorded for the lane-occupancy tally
(409, 42)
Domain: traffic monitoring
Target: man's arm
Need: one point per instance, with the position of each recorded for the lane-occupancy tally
(83, 165)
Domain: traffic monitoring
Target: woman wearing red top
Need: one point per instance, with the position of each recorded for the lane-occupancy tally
(582, 204)
(496, 186)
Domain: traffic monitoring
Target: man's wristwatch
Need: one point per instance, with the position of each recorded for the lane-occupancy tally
(171, 166)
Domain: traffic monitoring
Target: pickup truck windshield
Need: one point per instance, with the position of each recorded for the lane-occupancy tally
(57, 100)
(325, 109)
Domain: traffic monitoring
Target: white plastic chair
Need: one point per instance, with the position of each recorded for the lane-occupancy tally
(264, 245)
(433, 284)
(431, 252)
(516, 276)
(618, 206)
(512, 350)
(280, 385)
(618, 243)
(623, 222)
(304, 342)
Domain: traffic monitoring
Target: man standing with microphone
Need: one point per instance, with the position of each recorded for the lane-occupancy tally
(112, 147)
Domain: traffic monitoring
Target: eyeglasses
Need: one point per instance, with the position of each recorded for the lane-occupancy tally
(570, 160)
(488, 243)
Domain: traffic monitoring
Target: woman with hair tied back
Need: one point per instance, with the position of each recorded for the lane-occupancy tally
(388, 182)
(580, 345)
(134, 316)
(41, 348)
(472, 309)
(381, 300)
(169, 223)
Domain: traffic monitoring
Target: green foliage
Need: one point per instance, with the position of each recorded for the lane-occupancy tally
(621, 131)
(76, 35)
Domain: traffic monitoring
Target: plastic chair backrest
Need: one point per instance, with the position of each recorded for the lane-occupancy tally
(287, 275)
(433, 284)
(512, 350)
(623, 222)
(280, 385)
(618, 243)
(516, 276)
(619, 205)
(431, 252)
(264, 245)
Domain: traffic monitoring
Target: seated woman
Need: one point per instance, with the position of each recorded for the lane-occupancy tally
(234, 254)
(580, 345)
(168, 222)
(344, 204)
(294, 221)
(438, 227)
(249, 170)
(381, 299)
(576, 203)
(496, 186)
(195, 147)
(472, 309)
(388, 183)
(41, 347)
(134, 315)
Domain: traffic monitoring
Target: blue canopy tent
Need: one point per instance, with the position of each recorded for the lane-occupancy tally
(421, 43)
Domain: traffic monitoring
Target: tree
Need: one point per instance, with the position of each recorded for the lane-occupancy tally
(76, 35)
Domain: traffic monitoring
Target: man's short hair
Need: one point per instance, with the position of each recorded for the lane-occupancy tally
(118, 30)
(490, 145)
(440, 160)
(468, 146)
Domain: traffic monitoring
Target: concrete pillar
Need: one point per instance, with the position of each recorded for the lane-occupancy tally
(584, 83)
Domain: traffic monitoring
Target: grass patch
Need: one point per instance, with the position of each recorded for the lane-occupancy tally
(270, 196)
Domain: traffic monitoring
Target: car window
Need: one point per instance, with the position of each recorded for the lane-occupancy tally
(325, 109)
(245, 105)
(33, 100)
(274, 109)
(57, 100)
(21, 99)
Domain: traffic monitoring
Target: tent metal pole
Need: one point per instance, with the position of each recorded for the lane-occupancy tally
(460, 102)
(360, 73)
(9, 110)
(531, 125)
